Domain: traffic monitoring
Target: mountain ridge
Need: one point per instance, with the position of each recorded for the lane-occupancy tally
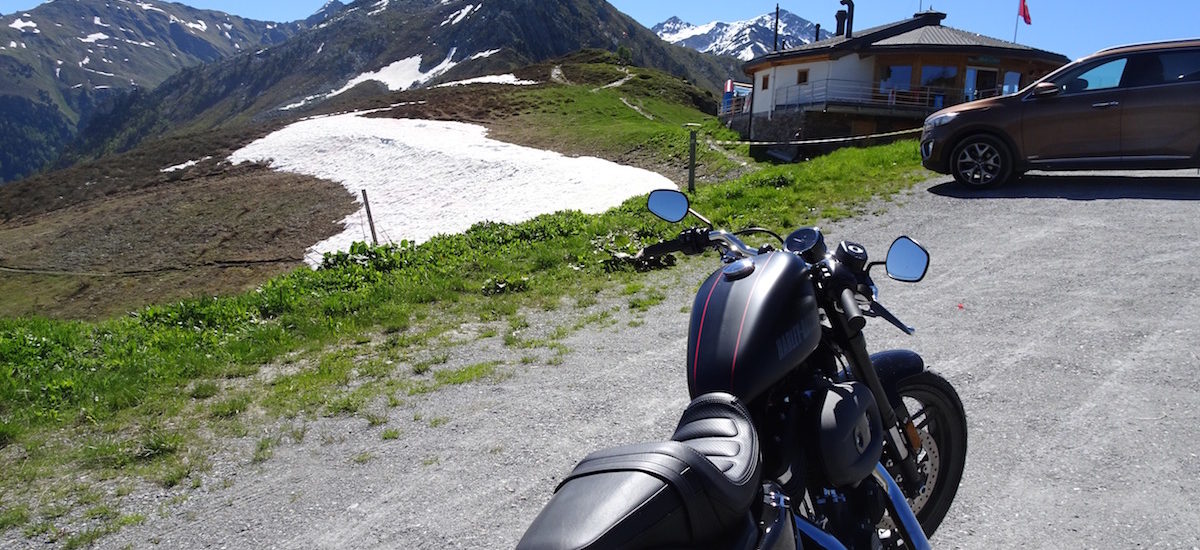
(745, 39)
(65, 61)
(370, 47)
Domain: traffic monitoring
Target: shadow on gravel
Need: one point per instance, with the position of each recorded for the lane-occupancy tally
(1083, 188)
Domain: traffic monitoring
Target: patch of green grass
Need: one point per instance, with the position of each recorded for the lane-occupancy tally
(438, 421)
(264, 450)
(363, 458)
(423, 367)
(39, 529)
(297, 432)
(13, 517)
(375, 419)
(84, 539)
(646, 301)
(204, 389)
(230, 407)
(173, 473)
(389, 434)
(104, 512)
(470, 373)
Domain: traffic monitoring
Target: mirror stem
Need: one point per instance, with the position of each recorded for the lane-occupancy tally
(702, 218)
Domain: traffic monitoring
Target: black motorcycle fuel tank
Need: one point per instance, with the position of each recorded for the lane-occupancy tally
(753, 321)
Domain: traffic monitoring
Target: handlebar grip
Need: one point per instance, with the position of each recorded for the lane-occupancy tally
(662, 248)
(854, 317)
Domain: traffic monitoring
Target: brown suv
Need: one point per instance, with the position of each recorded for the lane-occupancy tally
(1131, 107)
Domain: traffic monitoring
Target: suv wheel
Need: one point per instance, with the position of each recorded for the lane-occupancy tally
(981, 161)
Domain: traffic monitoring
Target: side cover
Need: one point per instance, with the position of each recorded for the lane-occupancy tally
(752, 323)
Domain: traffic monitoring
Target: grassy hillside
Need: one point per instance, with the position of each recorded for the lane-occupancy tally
(93, 411)
(156, 237)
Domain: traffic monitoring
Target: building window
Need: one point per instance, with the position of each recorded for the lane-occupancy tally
(896, 78)
(766, 81)
(802, 77)
(1012, 82)
(933, 76)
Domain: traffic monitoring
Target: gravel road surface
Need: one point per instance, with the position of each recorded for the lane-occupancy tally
(1063, 308)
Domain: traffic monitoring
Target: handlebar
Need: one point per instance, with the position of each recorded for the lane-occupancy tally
(854, 316)
(665, 247)
(693, 241)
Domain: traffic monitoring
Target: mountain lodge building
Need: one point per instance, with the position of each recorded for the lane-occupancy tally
(881, 79)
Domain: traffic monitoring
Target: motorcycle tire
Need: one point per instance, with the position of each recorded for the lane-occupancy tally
(937, 412)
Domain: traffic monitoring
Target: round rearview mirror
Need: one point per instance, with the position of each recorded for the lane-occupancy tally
(668, 204)
(907, 260)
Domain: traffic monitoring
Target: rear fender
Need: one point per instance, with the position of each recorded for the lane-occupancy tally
(894, 366)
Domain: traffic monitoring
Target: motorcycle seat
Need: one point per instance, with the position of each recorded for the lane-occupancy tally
(687, 492)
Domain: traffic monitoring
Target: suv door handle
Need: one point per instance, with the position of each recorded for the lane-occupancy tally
(1106, 105)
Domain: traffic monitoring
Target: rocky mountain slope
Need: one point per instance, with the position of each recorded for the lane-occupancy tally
(61, 61)
(374, 46)
(742, 39)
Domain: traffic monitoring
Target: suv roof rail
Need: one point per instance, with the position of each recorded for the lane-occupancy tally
(1153, 43)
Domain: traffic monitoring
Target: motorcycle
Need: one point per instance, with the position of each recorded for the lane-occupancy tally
(795, 437)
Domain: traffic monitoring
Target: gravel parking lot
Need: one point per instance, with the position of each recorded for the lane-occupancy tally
(1063, 308)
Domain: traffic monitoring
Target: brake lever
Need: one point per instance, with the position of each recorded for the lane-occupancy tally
(877, 310)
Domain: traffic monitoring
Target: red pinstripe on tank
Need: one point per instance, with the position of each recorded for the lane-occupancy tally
(738, 343)
(700, 331)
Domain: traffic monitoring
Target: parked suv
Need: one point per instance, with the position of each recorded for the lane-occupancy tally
(1130, 107)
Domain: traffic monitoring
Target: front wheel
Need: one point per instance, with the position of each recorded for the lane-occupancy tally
(981, 161)
(938, 415)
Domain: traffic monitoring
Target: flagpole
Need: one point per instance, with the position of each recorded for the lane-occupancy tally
(1016, 25)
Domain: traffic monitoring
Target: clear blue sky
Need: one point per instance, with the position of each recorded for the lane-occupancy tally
(1071, 27)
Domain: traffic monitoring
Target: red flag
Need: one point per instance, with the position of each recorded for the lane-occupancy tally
(1023, 12)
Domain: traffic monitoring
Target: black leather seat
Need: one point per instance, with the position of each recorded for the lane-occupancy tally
(687, 492)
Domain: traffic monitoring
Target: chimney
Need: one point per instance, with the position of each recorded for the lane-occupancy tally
(776, 27)
(817, 33)
(849, 18)
(841, 22)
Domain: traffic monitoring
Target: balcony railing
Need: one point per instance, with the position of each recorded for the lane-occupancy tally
(852, 93)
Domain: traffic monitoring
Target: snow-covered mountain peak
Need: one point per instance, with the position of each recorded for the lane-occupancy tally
(742, 39)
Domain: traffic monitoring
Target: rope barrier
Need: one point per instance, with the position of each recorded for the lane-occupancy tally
(817, 141)
(224, 264)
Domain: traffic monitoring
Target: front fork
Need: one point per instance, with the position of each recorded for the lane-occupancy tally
(903, 440)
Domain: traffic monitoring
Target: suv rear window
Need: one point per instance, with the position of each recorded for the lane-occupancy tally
(1181, 66)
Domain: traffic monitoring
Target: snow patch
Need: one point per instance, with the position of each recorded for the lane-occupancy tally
(183, 166)
(488, 53)
(199, 25)
(24, 26)
(457, 17)
(510, 79)
(379, 7)
(92, 38)
(150, 7)
(426, 178)
(100, 23)
(401, 75)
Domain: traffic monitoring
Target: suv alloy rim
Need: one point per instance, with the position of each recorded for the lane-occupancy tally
(979, 163)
